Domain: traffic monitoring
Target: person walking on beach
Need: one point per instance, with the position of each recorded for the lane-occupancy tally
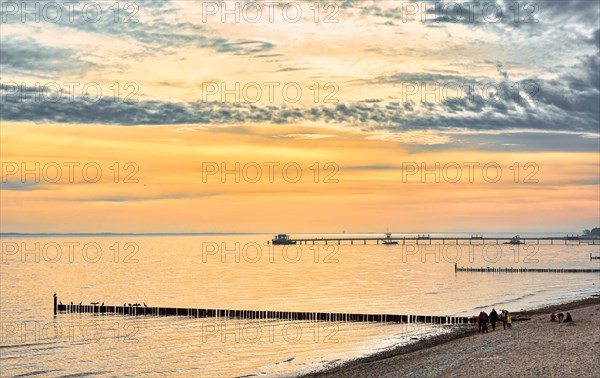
(508, 319)
(479, 321)
(484, 322)
(493, 318)
(503, 318)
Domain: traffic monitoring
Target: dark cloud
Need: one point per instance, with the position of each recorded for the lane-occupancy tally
(26, 56)
(595, 39)
(567, 103)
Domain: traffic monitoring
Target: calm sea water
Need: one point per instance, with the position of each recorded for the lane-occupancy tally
(242, 272)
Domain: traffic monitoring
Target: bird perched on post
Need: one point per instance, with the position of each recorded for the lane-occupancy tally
(80, 303)
(60, 302)
(145, 304)
(102, 304)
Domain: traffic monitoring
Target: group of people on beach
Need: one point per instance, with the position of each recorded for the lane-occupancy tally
(483, 319)
(560, 317)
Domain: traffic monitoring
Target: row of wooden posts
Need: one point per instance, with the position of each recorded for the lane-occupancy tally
(523, 270)
(259, 315)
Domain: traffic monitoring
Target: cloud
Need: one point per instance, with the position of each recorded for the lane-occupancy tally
(303, 136)
(141, 198)
(21, 186)
(595, 39)
(156, 26)
(242, 47)
(568, 102)
(25, 56)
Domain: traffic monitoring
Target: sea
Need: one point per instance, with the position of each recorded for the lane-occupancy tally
(246, 272)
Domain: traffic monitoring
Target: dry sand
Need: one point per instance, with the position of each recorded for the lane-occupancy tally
(531, 348)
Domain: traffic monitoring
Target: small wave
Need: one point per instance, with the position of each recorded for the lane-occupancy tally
(39, 372)
(84, 374)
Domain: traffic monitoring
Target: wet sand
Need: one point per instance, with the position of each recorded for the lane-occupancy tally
(533, 347)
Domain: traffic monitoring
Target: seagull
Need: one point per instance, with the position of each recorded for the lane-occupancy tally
(95, 303)
(80, 303)
(145, 304)
(102, 304)
(60, 302)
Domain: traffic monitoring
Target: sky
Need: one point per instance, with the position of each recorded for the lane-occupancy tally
(301, 116)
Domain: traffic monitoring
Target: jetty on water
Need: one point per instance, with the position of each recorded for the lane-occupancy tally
(428, 239)
(524, 270)
(256, 315)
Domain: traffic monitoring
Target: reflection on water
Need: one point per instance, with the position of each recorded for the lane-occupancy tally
(242, 272)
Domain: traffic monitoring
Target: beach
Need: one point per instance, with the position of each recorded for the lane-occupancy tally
(533, 347)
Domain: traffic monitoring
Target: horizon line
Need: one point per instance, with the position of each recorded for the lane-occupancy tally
(267, 233)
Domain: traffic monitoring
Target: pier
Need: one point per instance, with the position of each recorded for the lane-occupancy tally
(428, 239)
(524, 270)
(256, 315)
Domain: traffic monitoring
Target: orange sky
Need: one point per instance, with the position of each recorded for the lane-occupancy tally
(368, 193)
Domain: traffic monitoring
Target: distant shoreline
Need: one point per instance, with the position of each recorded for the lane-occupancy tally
(384, 359)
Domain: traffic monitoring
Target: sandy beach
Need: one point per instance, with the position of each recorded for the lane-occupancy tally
(533, 347)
